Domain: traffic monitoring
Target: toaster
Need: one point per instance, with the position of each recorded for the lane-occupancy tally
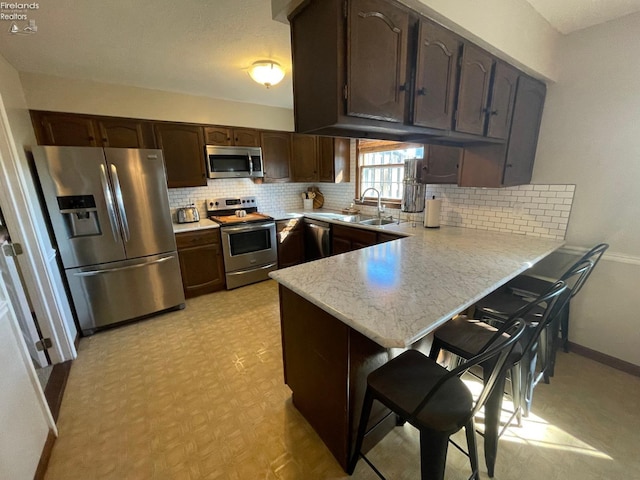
(188, 215)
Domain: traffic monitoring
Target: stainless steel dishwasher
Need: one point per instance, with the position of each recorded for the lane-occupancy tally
(317, 239)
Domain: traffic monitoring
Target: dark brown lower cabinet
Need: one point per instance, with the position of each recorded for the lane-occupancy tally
(290, 236)
(201, 262)
(346, 239)
(326, 364)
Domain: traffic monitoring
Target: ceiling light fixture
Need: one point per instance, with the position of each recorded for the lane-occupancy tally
(266, 72)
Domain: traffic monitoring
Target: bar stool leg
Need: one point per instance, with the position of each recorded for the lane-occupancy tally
(362, 429)
(492, 409)
(433, 454)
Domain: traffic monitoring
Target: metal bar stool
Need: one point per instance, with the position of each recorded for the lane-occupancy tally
(434, 400)
(465, 338)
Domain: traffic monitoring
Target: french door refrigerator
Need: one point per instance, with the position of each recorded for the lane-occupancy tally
(109, 211)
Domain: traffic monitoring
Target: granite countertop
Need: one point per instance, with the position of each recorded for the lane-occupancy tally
(397, 292)
(190, 227)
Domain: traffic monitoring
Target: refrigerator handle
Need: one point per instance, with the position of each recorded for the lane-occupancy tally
(119, 199)
(108, 196)
(92, 273)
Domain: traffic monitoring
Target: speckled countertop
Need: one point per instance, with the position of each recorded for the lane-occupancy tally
(190, 227)
(397, 292)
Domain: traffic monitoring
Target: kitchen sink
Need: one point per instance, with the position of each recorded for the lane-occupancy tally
(376, 221)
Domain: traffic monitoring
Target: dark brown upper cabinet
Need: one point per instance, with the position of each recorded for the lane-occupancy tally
(183, 148)
(334, 159)
(276, 156)
(378, 36)
(441, 164)
(473, 93)
(123, 133)
(436, 76)
(304, 164)
(73, 130)
(245, 137)
(503, 94)
(525, 126)
(511, 163)
(65, 129)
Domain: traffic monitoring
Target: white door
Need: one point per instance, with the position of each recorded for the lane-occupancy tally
(10, 275)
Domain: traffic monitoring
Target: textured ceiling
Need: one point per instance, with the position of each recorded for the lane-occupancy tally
(567, 16)
(198, 47)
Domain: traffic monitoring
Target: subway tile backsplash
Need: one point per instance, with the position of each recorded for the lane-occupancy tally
(535, 210)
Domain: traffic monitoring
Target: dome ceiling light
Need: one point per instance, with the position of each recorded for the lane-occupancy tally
(266, 72)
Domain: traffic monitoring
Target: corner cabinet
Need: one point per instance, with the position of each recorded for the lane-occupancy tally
(201, 262)
(183, 149)
(320, 159)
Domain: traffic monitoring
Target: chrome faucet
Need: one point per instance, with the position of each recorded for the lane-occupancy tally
(380, 207)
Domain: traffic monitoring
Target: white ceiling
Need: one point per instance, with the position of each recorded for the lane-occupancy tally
(567, 16)
(198, 47)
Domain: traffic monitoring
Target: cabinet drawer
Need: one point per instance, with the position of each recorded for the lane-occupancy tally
(192, 239)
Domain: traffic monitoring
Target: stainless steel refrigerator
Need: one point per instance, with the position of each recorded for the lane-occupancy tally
(109, 210)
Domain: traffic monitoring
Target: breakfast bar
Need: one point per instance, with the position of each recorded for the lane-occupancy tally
(344, 316)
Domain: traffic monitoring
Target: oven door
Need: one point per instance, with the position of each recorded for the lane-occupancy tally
(249, 245)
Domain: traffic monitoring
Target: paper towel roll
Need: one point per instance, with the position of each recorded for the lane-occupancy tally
(432, 214)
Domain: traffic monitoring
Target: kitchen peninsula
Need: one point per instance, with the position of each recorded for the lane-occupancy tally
(343, 316)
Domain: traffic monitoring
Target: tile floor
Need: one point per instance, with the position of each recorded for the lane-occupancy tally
(199, 394)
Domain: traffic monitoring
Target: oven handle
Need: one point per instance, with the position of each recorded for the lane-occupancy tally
(252, 228)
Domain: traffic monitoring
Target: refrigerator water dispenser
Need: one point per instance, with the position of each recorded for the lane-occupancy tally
(80, 215)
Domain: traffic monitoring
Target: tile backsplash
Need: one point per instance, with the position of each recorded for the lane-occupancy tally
(535, 210)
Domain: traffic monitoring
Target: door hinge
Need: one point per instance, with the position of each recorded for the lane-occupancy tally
(455, 115)
(345, 8)
(345, 93)
(12, 250)
(44, 344)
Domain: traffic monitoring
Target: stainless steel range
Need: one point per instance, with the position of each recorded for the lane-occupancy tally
(248, 240)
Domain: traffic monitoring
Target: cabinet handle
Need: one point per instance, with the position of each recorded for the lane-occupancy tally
(422, 91)
(402, 87)
(493, 112)
(509, 165)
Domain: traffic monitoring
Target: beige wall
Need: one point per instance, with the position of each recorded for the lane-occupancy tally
(590, 137)
(46, 92)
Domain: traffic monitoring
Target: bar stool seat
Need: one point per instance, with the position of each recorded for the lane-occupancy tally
(434, 400)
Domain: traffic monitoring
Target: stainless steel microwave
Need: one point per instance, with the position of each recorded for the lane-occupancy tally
(234, 162)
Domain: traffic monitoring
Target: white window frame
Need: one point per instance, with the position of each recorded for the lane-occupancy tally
(366, 147)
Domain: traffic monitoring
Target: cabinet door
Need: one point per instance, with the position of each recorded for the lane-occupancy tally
(276, 156)
(525, 125)
(334, 159)
(436, 76)
(377, 59)
(63, 129)
(218, 136)
(503, 94)
(475, 74)
(304, 158)
(122, 133)
(441, 164)
(246, 137)
(201, 263)
(290, 242)
(183, 148)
